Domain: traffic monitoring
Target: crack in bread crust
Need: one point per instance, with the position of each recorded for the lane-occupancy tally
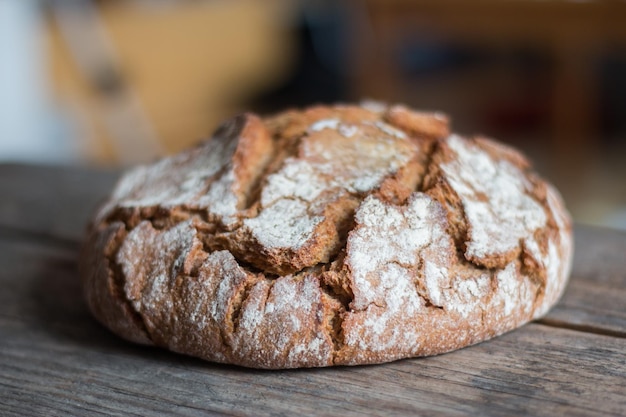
(103, 284)
(332, 235)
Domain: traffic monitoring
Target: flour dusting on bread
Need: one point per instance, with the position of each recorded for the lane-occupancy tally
(333, 235)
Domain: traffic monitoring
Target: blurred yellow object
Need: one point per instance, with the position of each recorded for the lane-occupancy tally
(187, 65)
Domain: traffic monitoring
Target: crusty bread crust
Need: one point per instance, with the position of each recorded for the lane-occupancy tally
(336, 235)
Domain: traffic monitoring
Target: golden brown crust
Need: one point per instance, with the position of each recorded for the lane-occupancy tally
(332, 235)
(419, 124)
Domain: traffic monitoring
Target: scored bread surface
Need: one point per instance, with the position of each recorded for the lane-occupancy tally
(334, 235)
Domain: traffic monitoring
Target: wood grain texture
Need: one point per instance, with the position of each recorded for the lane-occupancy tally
(56, 360)
(51, 201)
(595, 299)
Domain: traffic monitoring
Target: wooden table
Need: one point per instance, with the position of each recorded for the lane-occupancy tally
(56, 360)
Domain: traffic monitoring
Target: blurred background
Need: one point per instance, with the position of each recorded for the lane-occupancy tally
(115, 83)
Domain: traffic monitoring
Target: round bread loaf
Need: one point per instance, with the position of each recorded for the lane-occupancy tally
(337, 235)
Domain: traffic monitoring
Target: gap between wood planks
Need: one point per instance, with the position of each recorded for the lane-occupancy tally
(11, 233)
(584, 328)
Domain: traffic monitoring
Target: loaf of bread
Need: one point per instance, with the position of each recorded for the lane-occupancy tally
(333, 235)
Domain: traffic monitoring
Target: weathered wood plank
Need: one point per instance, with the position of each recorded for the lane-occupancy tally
(51, 201)
(591, 307)
(595, 299)
(55, 360)
(600, 254)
